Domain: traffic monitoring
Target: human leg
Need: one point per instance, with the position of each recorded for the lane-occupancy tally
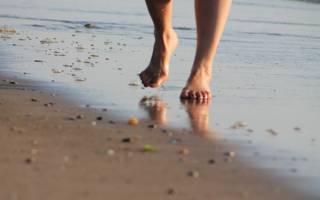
(166, 42)
(211, 17)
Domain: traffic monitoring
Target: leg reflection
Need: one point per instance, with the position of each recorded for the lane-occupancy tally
(198, 112)
(156, 109)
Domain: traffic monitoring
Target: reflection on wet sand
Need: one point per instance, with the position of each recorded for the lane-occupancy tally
(198, 113)
(199, 116)
(156, 108)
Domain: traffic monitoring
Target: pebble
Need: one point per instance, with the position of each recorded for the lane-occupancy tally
(133, 121)
(13, 82)
(80, 116)
(297, 128)
(57, 71)
(174, 141)
(34, 100)
(90, 25)
(211, 161)
(80, 79)
(230, 154)
(28, 160)
(38, 60)
(171, 191)
(238, 125)
(93, 123)
(134, 84)
(111, 152)
(152, 126)
(184, 151)
(99, 118)
(249, 130)
(149, 148)
(193, 174)
(48, 104)
(126, 140)
(272, 131)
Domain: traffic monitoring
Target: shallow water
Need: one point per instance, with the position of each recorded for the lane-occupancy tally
(266, 71)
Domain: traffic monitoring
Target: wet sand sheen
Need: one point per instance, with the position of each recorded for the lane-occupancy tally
(50, 146)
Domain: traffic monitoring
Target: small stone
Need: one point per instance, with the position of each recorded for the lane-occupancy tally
(133, 121)
(28, 160)
(104, 110)
(152, 126)
(272, 131)
(238, 125)
(93, 123)
(90, 25)
(70, 118)
(193, 174)
(13, 82)
(149, 148)
(297, 128)
(249, 130)
(211, 161)
(171, 191)
(111, 152)
(133, 84)
(174, 141)
(126, 140)
(79, 79)
(80, 116)
(34, 100)
(111, 122)
(99, 118)
(184, 151)
(230, 154)
(48, 104)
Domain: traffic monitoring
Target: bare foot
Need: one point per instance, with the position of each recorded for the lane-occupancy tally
(198, 85)
(158, 70)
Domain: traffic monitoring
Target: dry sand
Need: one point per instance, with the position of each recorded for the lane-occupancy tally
(47, 153)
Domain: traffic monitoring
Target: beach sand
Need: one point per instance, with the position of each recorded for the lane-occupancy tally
(47, 152)
(67, 90)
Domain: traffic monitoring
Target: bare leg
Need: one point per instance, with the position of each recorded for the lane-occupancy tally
(166, 42)
(211, 16)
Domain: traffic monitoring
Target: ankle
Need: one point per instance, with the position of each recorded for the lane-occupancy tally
(164, 35)
(202, 69)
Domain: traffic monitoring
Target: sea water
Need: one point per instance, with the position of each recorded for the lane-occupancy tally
(266, 73)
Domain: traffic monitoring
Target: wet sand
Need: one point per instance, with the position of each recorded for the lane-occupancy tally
(51, 149)
(265, 105)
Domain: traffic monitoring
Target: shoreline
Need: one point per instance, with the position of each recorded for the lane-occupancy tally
(47, 150)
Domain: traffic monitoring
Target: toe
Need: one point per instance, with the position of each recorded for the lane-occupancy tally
(184, 94)
(143, 79)
(193, 95)
(205, 94)
(199, 95)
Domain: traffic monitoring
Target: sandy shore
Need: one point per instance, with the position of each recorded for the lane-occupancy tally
(48, 153)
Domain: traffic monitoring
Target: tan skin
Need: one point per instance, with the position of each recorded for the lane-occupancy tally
(211, 17)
